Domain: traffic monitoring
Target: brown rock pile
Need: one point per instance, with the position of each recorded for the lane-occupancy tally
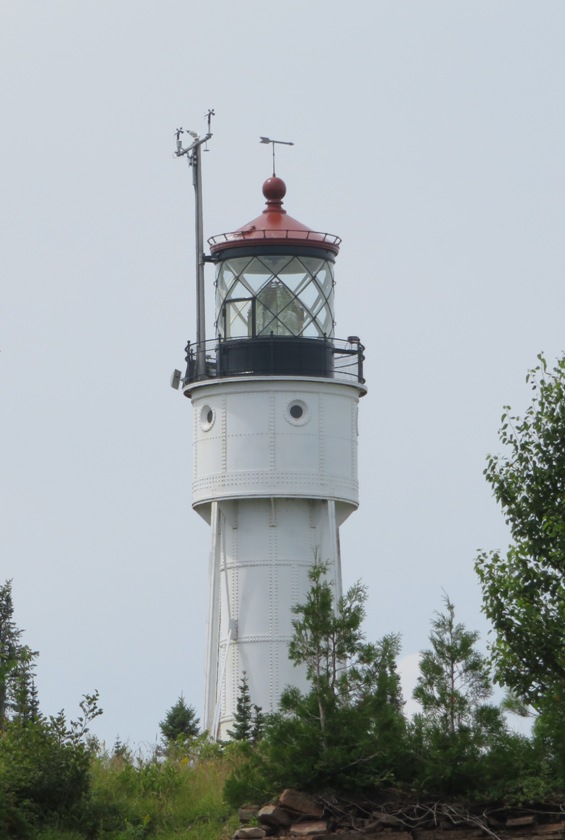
(295, 814)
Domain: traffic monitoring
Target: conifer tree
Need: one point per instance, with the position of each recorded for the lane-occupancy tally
(243, 718)
(458, 738)
(454, 676)
(180, 722)
(258, 723)
(328, 637)
(348, 729)
(248, 718)
(24, 701)
(17, 663)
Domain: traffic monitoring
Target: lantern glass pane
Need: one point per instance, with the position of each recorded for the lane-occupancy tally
(293, 296)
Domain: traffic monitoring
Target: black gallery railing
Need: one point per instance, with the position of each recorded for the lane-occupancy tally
(275, 355)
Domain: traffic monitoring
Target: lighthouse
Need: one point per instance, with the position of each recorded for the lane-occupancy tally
(275, 402)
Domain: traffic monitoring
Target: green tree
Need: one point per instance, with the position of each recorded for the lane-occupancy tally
(374, 675)
(248, 718)
(327, 637)
(45, 769)
(258, 724)
(346, 733)
(454, 677)
(180, 722)
(378, 698)
(18, 695)
(458, 739)
(524, 588)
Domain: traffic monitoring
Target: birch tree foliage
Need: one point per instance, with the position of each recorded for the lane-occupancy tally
(524, 587)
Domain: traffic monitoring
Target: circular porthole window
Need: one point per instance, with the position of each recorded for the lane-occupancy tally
(297, 413)
(207, 417)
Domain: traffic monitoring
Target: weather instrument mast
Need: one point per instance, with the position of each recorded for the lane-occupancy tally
(194, 158)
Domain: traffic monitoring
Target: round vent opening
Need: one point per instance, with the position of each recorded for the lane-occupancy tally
(297, 413)
(207, 417)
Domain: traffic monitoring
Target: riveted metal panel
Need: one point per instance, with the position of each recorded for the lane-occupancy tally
(266, 551)
(275, 438)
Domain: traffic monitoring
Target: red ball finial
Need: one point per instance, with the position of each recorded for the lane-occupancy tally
(274, 190)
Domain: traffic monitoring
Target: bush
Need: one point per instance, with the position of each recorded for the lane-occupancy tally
(41, 773)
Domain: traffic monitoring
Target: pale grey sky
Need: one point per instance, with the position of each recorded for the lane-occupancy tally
(430, 136)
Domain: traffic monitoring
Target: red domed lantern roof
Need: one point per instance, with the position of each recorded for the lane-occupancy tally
(274, 227)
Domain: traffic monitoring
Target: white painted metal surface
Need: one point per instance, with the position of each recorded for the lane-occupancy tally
(248, 443)
(275, 475)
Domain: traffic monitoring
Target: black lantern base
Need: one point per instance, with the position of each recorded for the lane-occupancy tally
(275, 356)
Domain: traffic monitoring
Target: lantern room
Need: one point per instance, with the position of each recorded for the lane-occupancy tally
(275, 293)
(274, 307)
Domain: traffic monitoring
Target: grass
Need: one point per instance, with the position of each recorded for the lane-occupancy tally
(166, 798)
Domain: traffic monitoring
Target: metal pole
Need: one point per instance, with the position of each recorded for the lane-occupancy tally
(194, 159)
(199, 237)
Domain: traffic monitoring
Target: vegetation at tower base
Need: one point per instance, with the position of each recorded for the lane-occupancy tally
(57, 784)
(326, 738)
(348, 735)
(524, 588)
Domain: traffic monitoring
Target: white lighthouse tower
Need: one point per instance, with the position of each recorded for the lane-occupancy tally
(275, 398)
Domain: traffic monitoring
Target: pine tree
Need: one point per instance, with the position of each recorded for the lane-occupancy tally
(348, 729)
(17, 663)
(120, 751)
(180, 722)
(454, 676)
(328, 637)
(24, 700)
(34, 712)
(258, 724)
(458, 738)
(248, 718)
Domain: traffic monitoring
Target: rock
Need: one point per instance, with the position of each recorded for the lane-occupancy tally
(300, 803)
(274, 816)
(252, 833)
(309, 827)
(247, 813)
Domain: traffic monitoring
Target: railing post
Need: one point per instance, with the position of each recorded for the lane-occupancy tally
(360, 358)
(187, 376)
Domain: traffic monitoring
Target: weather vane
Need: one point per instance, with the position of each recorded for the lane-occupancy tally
(273, 142)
